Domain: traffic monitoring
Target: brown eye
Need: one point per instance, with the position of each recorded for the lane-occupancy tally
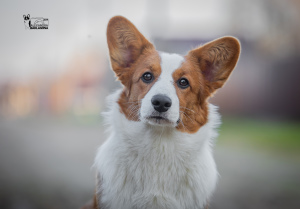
(147, 77)
(183, 83)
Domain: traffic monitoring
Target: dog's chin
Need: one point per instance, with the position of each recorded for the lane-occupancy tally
(159, 121)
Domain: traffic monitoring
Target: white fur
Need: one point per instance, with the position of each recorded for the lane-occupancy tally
(146, 166)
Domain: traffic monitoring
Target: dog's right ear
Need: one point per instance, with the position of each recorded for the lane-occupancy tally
(24, 16)
(125, 44)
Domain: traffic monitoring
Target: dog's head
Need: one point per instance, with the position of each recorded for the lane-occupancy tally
(164, 89)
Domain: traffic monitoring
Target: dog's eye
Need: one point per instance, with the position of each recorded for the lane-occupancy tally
(183, 83)
(147, 77)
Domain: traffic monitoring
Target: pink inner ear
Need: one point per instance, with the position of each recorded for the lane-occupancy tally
(128, 57)
(208, 72)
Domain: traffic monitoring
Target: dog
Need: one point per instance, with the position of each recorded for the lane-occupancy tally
(162, 128)
(27, 21)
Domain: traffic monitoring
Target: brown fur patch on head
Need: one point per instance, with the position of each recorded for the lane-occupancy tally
(206, 68)
(131, 55)
(192, 100)
(135, 89)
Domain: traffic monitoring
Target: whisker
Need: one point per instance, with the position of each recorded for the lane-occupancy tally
(133, 110)
(182, 124)
(136, 115)
(186, 115)
(187, 109)
(134, 102)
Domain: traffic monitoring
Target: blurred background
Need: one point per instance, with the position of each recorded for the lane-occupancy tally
(53, 85)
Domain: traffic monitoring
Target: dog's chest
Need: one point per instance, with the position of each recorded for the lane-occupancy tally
(161, 174)
(159, 167)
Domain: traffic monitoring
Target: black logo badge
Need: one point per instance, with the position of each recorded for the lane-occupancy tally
(35, 22)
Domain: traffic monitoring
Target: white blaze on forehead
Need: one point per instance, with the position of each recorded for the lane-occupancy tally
(169, 63)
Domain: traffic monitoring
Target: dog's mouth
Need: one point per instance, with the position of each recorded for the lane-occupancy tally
(159, 120)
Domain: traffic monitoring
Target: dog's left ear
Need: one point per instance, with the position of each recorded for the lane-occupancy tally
(216, 60)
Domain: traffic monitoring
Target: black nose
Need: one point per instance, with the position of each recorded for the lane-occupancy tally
(161, 103)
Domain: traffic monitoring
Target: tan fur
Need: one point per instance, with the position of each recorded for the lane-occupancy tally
(131, 55)
(125, 44)
(207, 68)
(216, 60)
(192, 100)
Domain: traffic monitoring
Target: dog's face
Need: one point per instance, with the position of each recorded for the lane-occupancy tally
(167, 89)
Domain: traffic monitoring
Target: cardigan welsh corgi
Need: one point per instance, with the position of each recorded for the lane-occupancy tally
(162, 128)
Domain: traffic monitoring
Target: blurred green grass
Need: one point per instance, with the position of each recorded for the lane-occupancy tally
(279, 136)
(269, 135)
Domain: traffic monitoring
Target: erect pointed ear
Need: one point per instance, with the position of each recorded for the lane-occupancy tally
(125, 43)
(216, 60)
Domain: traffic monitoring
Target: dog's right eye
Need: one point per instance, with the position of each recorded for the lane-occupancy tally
(147, 77)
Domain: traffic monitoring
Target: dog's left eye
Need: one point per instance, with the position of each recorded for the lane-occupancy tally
(183, 83)
(147, 77)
